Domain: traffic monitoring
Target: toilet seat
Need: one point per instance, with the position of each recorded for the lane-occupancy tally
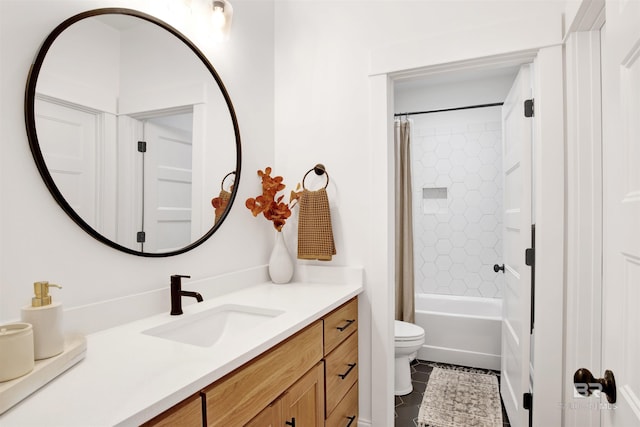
(405, 331)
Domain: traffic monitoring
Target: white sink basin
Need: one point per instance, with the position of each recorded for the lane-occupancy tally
(214, 325)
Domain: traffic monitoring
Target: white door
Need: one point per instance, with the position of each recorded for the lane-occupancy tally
(68, 139)
(167, 187)
(516, 297)
(621, 210)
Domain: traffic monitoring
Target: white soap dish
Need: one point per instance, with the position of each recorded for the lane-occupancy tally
(13, 391)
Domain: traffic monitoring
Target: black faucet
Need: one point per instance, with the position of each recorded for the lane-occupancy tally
(177, 293)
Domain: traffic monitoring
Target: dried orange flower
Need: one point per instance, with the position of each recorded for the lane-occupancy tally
(269, 203)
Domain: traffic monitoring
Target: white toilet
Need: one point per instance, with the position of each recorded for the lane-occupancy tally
(408, 339)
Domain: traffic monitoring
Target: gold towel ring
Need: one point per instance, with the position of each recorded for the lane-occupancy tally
(319, 169)
(225, 177)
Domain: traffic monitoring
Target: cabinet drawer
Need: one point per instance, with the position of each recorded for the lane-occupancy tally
(241, 395)
(187, 413)
(341, 371)
(339, 324)
(346, 413)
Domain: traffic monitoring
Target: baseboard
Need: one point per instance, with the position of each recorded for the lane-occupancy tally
(460, 357)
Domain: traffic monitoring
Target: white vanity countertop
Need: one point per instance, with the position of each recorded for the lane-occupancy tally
(128, 378)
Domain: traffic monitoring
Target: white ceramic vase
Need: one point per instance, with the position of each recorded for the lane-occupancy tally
(280, 263)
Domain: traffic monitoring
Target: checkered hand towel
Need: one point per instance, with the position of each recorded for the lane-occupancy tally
(315, 235)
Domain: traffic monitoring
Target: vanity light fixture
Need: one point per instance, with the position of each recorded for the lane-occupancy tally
(221, 14)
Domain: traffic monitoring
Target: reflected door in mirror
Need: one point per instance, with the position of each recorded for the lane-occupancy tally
(167, 186)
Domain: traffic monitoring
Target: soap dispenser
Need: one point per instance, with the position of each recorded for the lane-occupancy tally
(46, 318)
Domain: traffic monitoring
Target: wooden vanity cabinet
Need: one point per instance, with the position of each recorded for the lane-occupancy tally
(311, 377)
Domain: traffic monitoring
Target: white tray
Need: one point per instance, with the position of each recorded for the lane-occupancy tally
(13, 391)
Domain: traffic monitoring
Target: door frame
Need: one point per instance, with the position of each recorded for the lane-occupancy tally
(104, 219)
(474, 50)
(583, 344)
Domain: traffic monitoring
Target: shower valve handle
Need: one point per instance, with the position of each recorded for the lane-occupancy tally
(497, 268)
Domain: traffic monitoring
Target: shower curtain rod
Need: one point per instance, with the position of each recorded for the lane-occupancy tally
(496, 104)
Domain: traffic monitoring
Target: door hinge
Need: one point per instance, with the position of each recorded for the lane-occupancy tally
(530, 260)
(142, 146)
(528, 107)
(530, 257)
(527, 401)
(141, 237)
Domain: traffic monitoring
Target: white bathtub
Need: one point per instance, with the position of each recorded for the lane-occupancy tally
(460, 330)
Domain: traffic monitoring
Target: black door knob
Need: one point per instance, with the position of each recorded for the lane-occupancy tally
(585, 384)
(497, 267)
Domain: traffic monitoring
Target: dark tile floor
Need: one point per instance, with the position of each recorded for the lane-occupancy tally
(407, 406)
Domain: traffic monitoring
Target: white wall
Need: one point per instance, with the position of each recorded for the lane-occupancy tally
(323, 59)
(83, 67)
(37, 239)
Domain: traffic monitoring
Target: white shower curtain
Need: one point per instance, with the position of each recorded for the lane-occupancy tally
(404, 281)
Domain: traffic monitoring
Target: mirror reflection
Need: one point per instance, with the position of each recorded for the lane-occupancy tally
(135, 132)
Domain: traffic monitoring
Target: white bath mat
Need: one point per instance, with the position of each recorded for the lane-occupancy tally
(460, 399)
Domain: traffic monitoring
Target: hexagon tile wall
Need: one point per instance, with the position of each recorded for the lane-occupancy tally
(457, 206)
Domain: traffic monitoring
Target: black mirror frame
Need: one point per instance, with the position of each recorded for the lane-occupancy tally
(34, 145)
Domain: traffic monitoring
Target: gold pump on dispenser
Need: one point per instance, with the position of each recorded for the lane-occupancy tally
(41, 290)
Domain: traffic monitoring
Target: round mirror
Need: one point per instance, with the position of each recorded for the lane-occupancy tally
(133, 132)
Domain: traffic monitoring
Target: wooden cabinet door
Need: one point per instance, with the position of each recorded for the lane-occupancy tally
(303, 403)
(271, 416)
